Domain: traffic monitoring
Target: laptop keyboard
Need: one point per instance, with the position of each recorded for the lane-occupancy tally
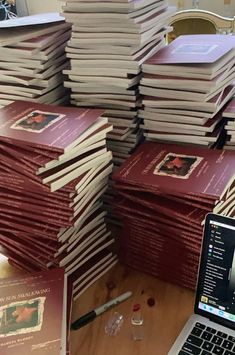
(205, 340)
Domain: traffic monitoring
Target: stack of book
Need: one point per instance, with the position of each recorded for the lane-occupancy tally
(229, 114)
(32, 58)
(185, 86)
(54, 170)
(109, 42)
(164, 192)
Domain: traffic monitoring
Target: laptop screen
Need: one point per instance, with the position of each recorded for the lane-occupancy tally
(215, 297)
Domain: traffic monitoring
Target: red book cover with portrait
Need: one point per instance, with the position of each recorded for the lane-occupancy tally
(179, 169)
(33, 314)
(50, 127)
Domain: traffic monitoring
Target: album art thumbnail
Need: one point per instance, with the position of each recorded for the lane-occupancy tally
(37, 121)
(21, 317)
(177, 165)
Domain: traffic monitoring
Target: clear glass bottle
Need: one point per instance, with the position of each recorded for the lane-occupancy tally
(114, 324)
(137, 323)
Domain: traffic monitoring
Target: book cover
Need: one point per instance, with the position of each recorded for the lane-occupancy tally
(180, 169)
(12, 35)
(32, 312)
(53, 127)
(229, 110)
(194, 49)
(37, 19)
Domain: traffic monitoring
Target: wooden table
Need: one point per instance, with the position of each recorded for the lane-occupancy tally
(162, 322)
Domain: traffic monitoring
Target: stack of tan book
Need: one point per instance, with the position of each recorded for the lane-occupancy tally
(54, 170)
(110, 40)
(185, 86)
(229, 114)
(32, 58)
(164, 192)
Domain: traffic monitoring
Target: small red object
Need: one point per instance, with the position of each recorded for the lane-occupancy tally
(136, 307)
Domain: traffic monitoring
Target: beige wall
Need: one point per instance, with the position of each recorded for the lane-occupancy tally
(39, 6)
(216, 6)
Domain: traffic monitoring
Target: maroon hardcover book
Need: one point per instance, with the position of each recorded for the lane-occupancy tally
(166, 273)
(9, 241)
(52, 127)
(40, 200)
(19, 221)
(125, 208)
(33, 309)
(192, 240)
(179, 169)
(194, 49)
(229, 110)
(184, 199)
(183, 213)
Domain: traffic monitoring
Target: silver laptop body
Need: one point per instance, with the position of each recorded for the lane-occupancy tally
(211, 329)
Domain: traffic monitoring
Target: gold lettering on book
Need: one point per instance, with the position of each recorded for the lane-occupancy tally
(203, 169)
(211, 183)
(33, 293)
(153, 162)
(24, 295)
(8, 343)
(126, 171)
(221, 157)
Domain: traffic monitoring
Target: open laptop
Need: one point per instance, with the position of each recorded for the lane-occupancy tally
(211, 330)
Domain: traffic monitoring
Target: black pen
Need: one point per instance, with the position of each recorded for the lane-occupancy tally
(90, 316)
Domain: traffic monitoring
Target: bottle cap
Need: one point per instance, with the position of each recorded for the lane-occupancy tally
(136, 307)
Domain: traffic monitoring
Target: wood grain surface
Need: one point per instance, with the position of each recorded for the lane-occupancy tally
(162, 322)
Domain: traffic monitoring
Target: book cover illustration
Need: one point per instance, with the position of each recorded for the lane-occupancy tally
(195, 48)
(32, 309)
(178, 169)
(21, 317)
(37, 121)
(22, 121)
(177, 165)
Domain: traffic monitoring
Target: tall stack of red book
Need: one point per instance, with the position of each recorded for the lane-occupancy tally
(110, 40)
(185, 86)
(54, 170)
(32, 58)
(164, 193)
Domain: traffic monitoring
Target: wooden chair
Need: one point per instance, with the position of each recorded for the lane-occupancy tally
(195, 21)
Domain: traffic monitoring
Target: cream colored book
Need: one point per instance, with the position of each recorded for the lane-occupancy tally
(10, 36)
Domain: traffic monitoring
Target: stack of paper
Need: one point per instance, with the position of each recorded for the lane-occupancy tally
(229, 114)
(110, 40)
(164, 193)
(32, 58)
(54, 170)
(185, 85)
